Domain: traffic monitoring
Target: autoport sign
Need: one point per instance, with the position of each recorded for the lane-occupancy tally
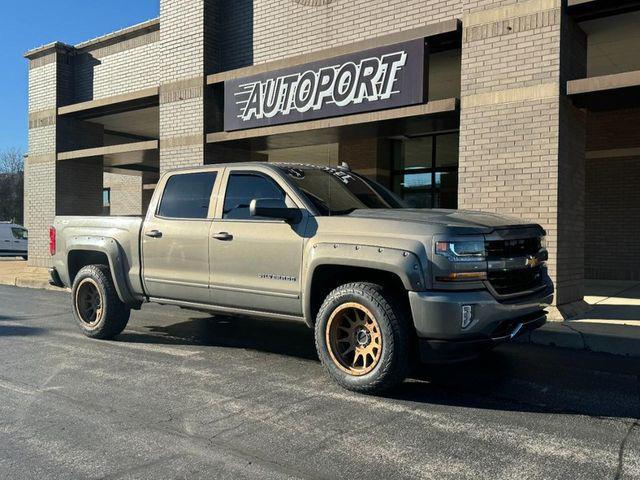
(386, 77)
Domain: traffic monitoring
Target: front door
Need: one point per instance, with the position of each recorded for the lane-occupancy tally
(256, 262)
(175, 237)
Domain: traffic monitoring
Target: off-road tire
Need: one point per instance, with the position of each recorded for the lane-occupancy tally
(394, 363)
(114, 315)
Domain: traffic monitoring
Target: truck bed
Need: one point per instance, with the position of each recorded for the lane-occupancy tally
(121, 233)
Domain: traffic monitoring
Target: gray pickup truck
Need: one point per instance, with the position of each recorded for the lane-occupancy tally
(383, 286)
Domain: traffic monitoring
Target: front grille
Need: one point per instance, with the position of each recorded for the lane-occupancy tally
(498, 249)
(516, 281)
(506, 282)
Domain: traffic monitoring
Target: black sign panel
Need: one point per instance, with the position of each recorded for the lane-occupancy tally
(377, 79)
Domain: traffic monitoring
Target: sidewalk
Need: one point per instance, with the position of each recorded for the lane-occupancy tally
(17, 273)
(610, 324)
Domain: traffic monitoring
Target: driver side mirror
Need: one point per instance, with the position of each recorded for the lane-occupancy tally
(274, 208)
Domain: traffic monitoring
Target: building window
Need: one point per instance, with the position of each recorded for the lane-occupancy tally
(106, 197)
(425, 170)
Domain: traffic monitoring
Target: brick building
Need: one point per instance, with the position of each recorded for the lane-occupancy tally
(529, 108)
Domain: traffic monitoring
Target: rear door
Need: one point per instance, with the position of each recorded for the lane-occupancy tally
(175, 236)
(6, 248)
(256, 261)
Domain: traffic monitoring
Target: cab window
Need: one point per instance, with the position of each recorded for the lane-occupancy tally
(243, 187)
(187, 195)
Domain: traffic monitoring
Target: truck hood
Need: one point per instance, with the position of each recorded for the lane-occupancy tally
(461, 222)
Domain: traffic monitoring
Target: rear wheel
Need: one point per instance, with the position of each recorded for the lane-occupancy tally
(96, 305)
(362, 338)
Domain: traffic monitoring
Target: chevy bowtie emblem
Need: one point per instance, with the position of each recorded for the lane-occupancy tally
(531, 262)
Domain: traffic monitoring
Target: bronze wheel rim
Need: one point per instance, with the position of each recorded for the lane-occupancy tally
(354, 340)
(89, 304)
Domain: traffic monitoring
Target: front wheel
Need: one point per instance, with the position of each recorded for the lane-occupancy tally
(362, 338)
(97, 308)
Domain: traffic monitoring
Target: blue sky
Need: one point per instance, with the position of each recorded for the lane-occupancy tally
(27, 24)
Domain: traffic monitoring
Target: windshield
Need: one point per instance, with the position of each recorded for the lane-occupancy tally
(339, 192)
(19, 233)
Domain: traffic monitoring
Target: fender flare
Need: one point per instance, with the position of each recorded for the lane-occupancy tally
(115, 256)
(404, 264)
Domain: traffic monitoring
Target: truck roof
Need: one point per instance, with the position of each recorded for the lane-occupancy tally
(271, 165)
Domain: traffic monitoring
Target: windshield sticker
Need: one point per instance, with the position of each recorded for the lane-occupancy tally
(298, 173)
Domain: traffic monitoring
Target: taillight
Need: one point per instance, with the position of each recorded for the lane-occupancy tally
(52, 240)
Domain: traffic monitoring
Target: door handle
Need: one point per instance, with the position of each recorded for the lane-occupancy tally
(224, 236)
(154, 234)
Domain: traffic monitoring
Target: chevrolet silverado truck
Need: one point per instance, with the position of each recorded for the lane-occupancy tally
(383, 286)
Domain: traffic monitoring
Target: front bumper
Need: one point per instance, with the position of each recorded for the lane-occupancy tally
(432, 350)
(437, 318)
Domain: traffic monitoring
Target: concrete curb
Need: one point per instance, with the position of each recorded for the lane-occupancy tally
(31, 283)
(614, 339)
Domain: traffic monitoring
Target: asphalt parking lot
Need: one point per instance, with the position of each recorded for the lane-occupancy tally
(186, 395)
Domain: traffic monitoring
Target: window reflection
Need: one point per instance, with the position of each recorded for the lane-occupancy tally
(425, 170)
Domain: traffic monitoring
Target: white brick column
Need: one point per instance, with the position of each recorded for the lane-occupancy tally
(184, 64)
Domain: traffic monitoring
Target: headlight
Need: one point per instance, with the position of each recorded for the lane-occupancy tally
(462, 251)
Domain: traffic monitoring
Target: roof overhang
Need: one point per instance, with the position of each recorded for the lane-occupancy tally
(149, 97)
(140, 156)
(606, 92)
(589, 9)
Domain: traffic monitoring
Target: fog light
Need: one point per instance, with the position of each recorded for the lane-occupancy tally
(467, 316)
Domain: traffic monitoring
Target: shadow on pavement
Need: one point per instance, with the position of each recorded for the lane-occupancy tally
(273, 336)
(19, 331)
(514, 377)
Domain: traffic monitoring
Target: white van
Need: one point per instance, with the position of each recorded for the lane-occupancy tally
(13, 240)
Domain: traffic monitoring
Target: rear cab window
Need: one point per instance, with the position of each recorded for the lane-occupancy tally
(187, 196)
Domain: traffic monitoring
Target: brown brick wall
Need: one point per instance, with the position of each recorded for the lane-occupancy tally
(612, 249)
(613, 129)
(79, 187)
(284, 28)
